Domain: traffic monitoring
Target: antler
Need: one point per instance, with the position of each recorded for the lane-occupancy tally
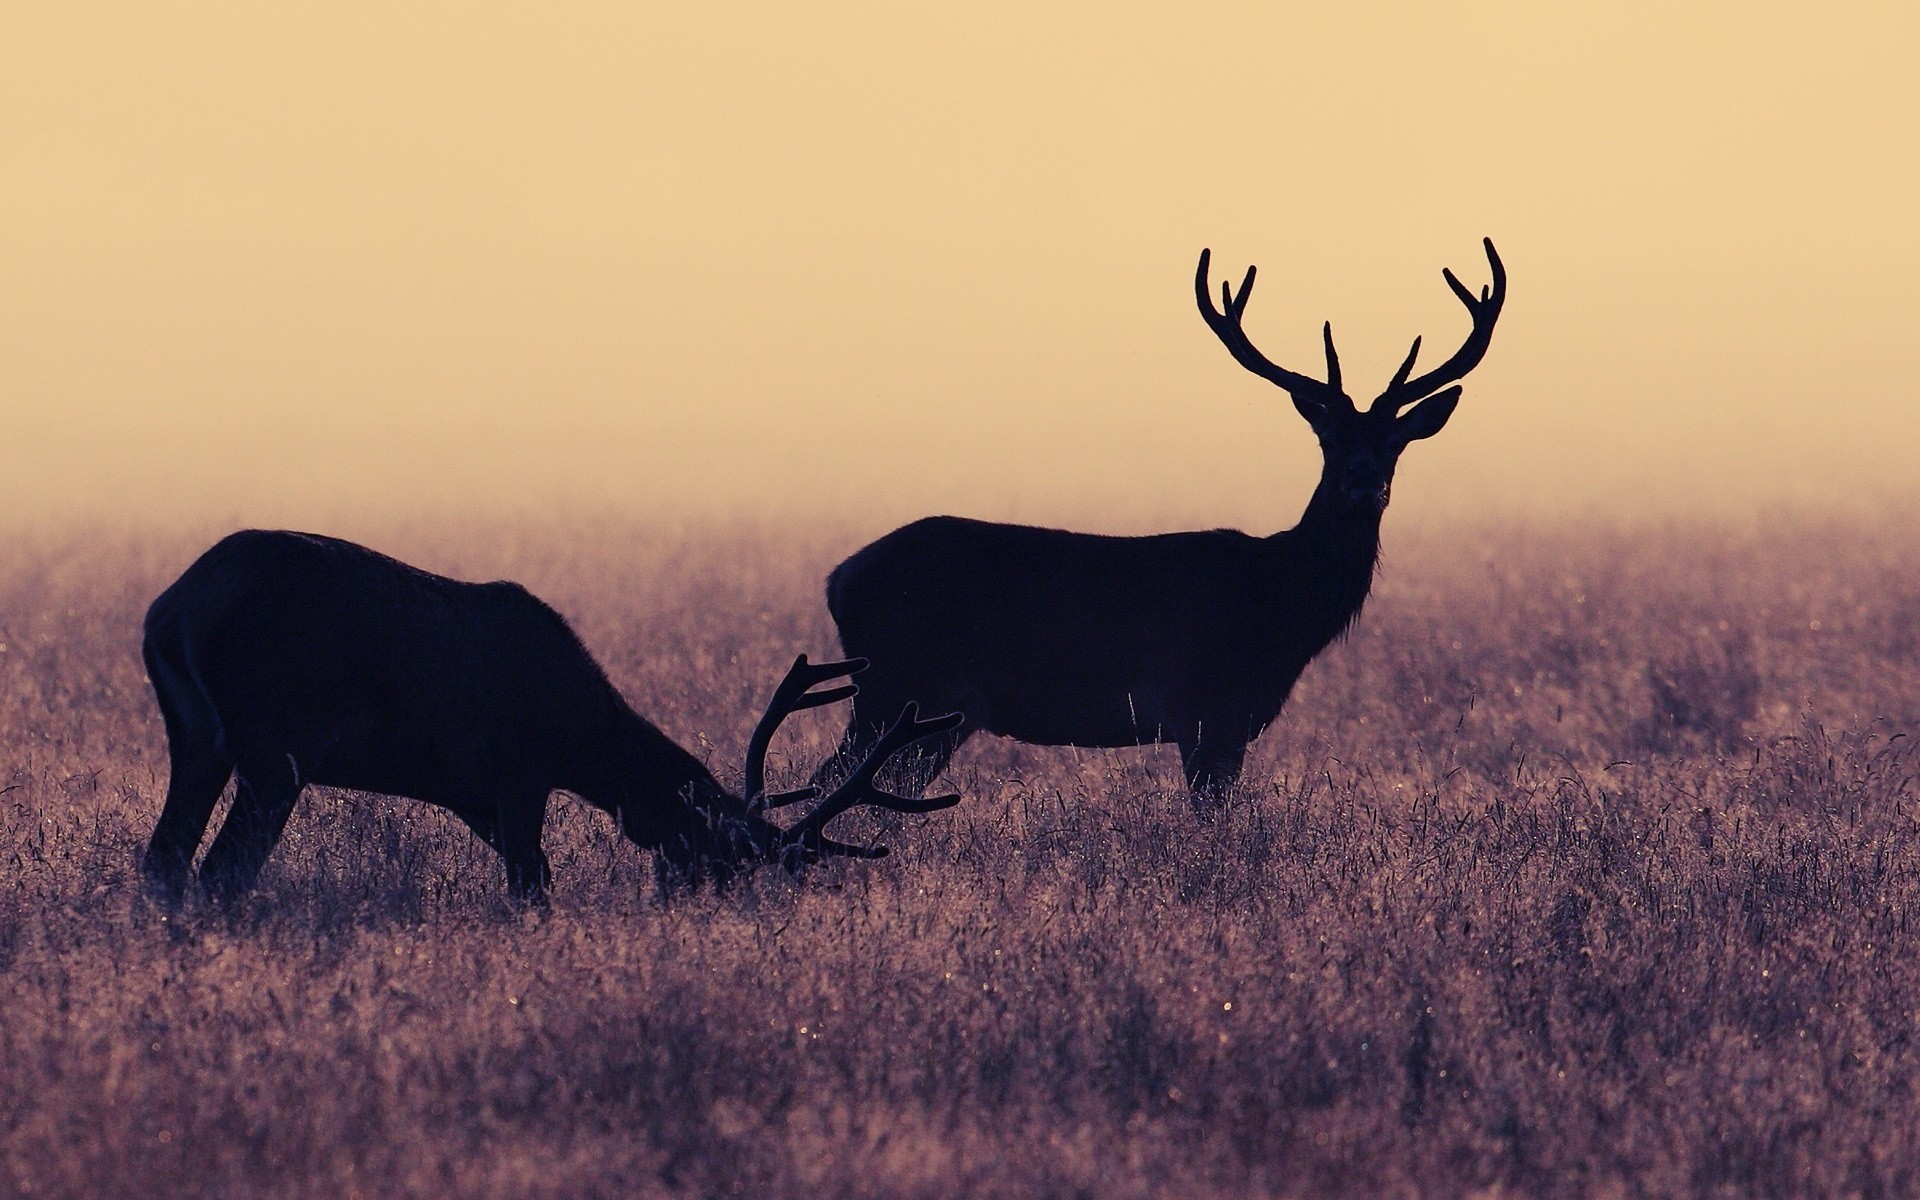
(1226, 326)
(1485, 310)
(859, 788)
(792, 696)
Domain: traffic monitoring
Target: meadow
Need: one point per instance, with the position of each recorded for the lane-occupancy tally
(1586, 866)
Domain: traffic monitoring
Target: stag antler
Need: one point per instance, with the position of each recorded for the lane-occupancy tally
(1484, 309)
(1225, 323)
(792, 696)
(858, 789)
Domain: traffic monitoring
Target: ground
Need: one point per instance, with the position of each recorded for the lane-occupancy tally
(1585, 866)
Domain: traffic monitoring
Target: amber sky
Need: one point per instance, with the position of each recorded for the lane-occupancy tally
(268, 262)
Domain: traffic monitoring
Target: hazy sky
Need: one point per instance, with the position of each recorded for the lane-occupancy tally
(261, 261)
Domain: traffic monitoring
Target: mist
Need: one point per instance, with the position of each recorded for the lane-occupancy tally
(870, 264)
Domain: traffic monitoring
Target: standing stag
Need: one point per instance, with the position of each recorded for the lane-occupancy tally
(288, 659)
(1061, 638)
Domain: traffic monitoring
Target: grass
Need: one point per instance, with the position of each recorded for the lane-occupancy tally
(1586, 866)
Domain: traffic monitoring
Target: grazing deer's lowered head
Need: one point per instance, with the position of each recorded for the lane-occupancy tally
(732, 832)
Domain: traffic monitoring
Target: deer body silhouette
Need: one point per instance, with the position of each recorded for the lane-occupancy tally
(1060, 638)
(284, 659)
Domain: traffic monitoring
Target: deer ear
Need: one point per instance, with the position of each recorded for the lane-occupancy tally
(1313, 409)
(1428, 417)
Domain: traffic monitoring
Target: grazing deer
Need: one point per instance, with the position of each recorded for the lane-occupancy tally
(288, 659)
(1061, 638)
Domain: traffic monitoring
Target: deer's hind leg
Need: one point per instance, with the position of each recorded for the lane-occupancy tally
(197, 773)
(262, 801)
(196, 777)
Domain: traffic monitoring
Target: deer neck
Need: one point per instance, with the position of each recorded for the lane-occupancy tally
(655, 789)
(1326, 562)
(1337, 529)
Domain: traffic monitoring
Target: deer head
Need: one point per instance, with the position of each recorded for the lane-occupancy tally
(736, 833)
(1362, 448)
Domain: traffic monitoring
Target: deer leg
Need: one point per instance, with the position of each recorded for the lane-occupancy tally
(518, 823)
(1211, 768)
(485, 823)
(197, 772)
(527, 873)
(196, 776)
(262, 801)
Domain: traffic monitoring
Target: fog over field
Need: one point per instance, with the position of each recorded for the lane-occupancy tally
(869, 260)
(1586, 865)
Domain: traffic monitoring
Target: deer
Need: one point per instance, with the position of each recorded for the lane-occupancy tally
(1059, 638)
(284, 659)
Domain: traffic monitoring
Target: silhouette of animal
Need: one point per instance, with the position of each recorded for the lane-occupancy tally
(289, 659)
(1059, 638)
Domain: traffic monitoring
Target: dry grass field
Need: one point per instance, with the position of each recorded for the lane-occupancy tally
(1587, 866)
